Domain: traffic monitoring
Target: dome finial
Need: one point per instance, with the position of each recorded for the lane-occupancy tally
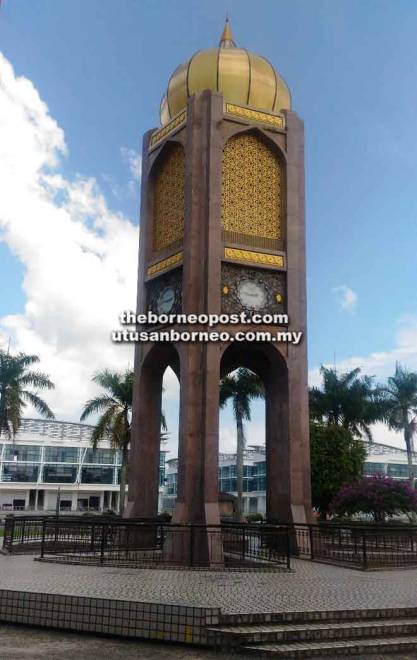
(226, 40)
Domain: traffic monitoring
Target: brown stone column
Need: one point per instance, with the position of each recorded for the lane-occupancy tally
(277, 446)
(298, 421)
(197, 498)
(145, 448)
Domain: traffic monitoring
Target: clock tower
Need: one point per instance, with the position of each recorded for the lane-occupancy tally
(222, 232)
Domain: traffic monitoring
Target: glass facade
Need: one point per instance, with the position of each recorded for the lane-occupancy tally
(102, 456)
(59, 474)
(52, 464)
(22, 472)
(254, 476)
(370, 469)
(15, 452)
(254, 479)
(171, 484)
(97, 475)
(61, 454)
(162, 459)
(398, 470)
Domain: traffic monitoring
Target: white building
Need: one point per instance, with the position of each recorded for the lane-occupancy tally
(381, 459)
(50, 464)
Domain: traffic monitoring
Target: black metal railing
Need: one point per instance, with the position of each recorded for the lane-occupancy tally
(359, 546)
(119, 542)
(139, 542)
(24, 534)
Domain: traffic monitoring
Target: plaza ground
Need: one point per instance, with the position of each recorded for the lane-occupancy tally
(312, 586)
(308, 587)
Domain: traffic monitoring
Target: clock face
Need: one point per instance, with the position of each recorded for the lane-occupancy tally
(166, 300)
(251, 294)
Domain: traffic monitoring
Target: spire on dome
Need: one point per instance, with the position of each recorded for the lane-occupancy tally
(226, 40)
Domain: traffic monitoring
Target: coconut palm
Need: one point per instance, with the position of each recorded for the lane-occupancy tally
(347, 400)
(115, 421)
(401, 409)
(16, 383)
(240, 387)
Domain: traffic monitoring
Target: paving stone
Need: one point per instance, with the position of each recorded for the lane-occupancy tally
(312, 586)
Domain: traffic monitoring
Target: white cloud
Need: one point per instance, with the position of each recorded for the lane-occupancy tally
(79, 257)
(346, 297)
(134, 161)
(381, 365)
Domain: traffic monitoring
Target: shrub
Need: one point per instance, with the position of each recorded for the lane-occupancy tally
(254, 517)
(164, 517)
(380, 496)
(336, 459)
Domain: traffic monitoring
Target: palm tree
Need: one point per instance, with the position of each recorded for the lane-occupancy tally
(401, 409)
(241, 387)
(15, 379)
(115, 422)
(347, 400)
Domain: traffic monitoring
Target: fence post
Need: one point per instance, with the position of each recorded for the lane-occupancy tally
(243, 544)
(310, 529)
(127, 541)
(191, 545)
(92, 540)
(365, 557)
(103, 542)
(43, 537)
(9, 525)
(288, 541)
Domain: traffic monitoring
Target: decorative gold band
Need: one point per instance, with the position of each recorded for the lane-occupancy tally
(169, 262)
(254, 115)
(166, 130)
(260, 258)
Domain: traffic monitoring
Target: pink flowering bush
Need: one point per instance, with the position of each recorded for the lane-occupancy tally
(380, 496)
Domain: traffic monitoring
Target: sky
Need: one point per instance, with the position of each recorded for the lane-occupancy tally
(80, 82)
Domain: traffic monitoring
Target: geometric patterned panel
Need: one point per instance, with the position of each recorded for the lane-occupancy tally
(251, 192)
(168, 198)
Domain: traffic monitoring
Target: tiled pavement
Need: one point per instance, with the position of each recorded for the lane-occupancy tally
(311, 586)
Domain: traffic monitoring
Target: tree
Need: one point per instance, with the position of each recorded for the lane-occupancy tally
(336, 458)
(115, 422)
(380, 496)
(347, 400)
(16, 379)
(241, 387)
(401, 409)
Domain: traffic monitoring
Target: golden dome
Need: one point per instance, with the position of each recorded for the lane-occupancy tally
(242, 77)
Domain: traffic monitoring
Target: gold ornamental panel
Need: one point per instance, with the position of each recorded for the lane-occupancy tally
(251, 192)
(255, 115)
(165, 264)
(260, 258)
(159, 135)
(168, 199)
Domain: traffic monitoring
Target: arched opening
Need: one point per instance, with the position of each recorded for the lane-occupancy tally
(242, 445)
(266, 361)
(144, 473)
(169, 443)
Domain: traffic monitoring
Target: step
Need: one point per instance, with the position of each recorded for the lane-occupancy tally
(332, 649)
(317, 616)
(238, 635)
